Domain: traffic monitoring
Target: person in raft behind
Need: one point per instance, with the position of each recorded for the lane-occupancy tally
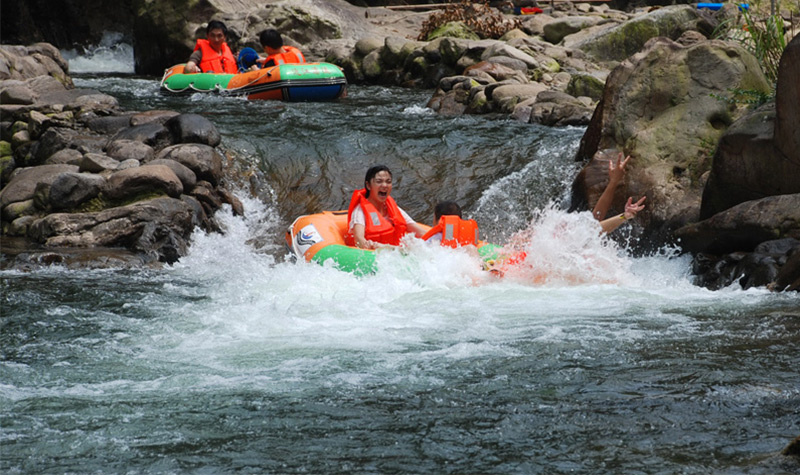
(373, 218)
(449, 229)
(616, 172)
(277, 52)
(212, 55)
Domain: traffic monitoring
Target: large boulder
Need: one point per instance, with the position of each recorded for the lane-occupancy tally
(659, 106)
(158, 228)
(787, 103)
(203, 160)
(26, 62)
(70, 190)
(141, 180)
(193, 128)
(621, 41)
(744, 226)
(759, 155)
(23, 184)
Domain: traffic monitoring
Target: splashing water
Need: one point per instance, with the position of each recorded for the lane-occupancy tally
(112, 55)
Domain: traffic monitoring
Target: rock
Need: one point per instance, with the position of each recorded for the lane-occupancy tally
(23, 183)
(585, 85)
(787, 98)
(557, 108)
(506, 96)
(227, 197)
(744, 226)
(109, 125)
(160, 116)
(193, 128)
(70, 190)
(204, 193)
(20, 226)
(141, 180)
(556, 30)
(788, 279)
(67, 156)
(59, 138)
(94, 102)
(129, 149)
(158, 227)
(534, 24)
(7, 166)
(446, 104)
(203, 160)
(620, 42)
(97, 163)
(688, 38)
(18, 93)
(366, 46)
(371, 65)
(658, 107)
(25, 62)
(153, 134)
(501, 49)
(396, 50)
(18, 209)
(185, 175)
(497, 72)
(774, 264)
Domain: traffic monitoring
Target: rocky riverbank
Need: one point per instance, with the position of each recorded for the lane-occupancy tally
(85, 183)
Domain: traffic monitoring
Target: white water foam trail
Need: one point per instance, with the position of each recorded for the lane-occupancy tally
(112, 55)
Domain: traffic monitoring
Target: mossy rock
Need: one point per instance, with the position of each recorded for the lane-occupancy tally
(454, 29)
(586, 85)
(5, 148)
(628, 38)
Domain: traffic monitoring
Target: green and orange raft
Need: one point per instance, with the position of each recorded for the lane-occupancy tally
(320, 238)
(287, 82)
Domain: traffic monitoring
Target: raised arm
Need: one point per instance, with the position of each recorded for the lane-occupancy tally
(631, 209)
(616, 172)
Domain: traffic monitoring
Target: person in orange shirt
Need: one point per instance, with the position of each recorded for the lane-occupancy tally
(212, 55)
(449, 228)
(373, 218)
(277, 52)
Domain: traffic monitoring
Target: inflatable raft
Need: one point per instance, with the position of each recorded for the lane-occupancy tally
(287, 82)
(320, 237)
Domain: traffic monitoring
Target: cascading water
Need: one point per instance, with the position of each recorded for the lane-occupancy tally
(237, 359)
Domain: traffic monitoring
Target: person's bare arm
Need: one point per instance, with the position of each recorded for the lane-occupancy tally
(631, 209)
(616, 172)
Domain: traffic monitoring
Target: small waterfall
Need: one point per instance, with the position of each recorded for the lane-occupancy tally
(112, 55)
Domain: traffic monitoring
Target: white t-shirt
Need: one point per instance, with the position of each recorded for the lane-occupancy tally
(357, 217)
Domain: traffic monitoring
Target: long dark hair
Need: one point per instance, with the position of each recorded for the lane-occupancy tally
(374, 170)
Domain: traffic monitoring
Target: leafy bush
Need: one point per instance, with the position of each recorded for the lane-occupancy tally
(478, 16)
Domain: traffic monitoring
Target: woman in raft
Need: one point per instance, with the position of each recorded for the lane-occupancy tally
(373, 218)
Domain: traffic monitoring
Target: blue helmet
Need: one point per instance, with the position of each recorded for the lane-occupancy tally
(247, 58)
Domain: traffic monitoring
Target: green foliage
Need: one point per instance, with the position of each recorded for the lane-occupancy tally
(747, 96)
(766, 41)
(764, 38)
(476, 15)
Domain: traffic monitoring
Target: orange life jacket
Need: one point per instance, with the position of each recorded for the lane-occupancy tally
(290, 55)
(377, 228)
(213, 62)
(455, 231)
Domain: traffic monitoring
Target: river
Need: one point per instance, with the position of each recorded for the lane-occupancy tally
(236, 359)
